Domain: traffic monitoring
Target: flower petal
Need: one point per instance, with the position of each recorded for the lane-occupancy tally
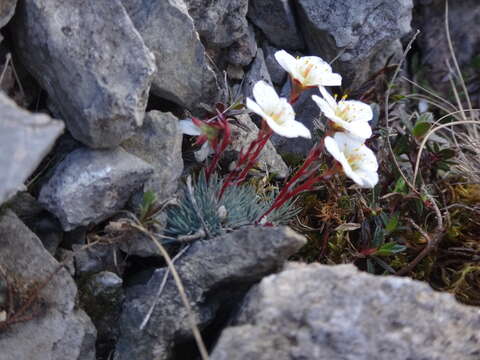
(368, 178)
(285, 130)
(277, 128)
(346, 143)
(332, 147)
(357, 179)
(329, 98)
(298, 129)
(252, 105)
(316, 70)
(359, 129)
(204, 152)
(325, 107)
(286, 109)
(357, 110)
(287, 62)
(265, 96)
(368, 159)
(189, 128)
(330, 79)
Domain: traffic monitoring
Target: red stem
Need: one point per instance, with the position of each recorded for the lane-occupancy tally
(307, 185)
(296, 90)
(312, 156)
(220, 148)
(253, 158)
(246, 160)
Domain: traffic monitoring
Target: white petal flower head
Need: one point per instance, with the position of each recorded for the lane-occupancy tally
(358, 161)
(309, 71)
(277, 112)
(351, 116)
(204, 152)
(189, 128)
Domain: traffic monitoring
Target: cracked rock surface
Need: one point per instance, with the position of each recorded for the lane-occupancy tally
(214, 272)
(80, 52)
(338, 313)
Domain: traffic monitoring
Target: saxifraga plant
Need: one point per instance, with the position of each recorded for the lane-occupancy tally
(238, 206)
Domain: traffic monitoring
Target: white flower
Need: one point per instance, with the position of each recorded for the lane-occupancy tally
(358, 161)
(189, 128)
(351, 116)
(204, 152)
(277, 112)
(308, 70)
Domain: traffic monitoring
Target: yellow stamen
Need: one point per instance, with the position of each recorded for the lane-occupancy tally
(277, 117)
(308, 68)
(342, 114)
(353, 160)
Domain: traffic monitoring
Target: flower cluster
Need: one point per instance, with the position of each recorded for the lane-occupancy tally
(276, 111)
(348, 119)
(347, 130)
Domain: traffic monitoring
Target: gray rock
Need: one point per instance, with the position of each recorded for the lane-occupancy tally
(135, 243)
(93, 259)
(358, 30)
(214, 272)
(335, 312)
(26, 138)
(25, 206)
(244, 49)
(89, 186)
(159, 143)
(392, 52)
(429, 17)
(42, 223)
(48, 230)
(258, 71)
(7, 86)
(78, 236)
(268, 159)
(235, 72)
(92, 62)
(101, 296)
(61, 331)
(3, 297)
(277, 21)
(7, 8)
(219, 22)
(67, 258)
(277, 73)
(183, 75)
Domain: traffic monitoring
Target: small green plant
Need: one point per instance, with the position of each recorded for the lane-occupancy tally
(201, 211)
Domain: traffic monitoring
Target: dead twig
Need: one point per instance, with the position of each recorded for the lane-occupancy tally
(191, 316)
(160, 289)
(23, 313)
(387, 113)
(134, 223)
